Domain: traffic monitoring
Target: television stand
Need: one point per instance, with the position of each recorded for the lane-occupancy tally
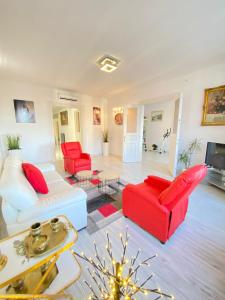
(216, 177)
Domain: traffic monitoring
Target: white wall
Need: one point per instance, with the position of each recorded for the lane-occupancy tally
(156, 129)
(37, 140)
(192, 86)
(92, 134)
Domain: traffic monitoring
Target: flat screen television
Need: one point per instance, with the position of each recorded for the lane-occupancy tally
(215, 155)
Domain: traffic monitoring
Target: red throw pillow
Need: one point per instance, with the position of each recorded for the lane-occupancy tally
(35, 177)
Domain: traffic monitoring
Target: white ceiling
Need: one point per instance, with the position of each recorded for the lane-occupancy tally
(56, 42)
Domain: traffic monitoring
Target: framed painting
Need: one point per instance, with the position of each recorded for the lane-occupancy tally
(156, 115)
(96, 116)
(214, 106)
(118, 118)
(24, 111)
(64, 117)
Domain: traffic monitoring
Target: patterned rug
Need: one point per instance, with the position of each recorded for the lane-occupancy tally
(104, 203)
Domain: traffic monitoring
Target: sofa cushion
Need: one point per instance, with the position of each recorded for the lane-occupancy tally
(51, 177)
(35, 177)
(14, 186)
(60, 195)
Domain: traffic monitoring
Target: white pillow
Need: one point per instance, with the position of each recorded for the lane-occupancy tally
(15, 188)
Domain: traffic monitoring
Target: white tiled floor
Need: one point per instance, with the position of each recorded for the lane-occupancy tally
(130, 172)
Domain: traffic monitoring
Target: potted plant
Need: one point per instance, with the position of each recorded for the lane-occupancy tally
(185, 156)
(105, 148)
(13, 143)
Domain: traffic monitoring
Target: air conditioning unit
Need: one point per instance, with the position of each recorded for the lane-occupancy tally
(64, 97)
(67, 98)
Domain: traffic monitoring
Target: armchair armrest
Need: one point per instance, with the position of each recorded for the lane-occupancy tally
(85, 156)
(161, 183)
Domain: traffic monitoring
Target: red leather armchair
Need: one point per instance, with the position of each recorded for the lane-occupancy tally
(74, 159)
(159, 205)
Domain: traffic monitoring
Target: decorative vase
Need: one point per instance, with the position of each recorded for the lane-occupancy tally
(15, 153)
(105, 148)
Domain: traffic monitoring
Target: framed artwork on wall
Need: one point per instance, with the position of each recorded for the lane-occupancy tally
(64, 117)
(118, 115)
(96, 116)
(118, 118)
(24, 111)
(156, 115)
(214, 106)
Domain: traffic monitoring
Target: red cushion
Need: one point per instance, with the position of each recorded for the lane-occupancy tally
(35, 177)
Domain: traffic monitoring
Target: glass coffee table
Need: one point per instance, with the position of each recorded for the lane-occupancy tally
(84, 178)
(108, 182)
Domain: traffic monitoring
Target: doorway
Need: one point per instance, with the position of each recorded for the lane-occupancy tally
(66, 124)
(161, 134)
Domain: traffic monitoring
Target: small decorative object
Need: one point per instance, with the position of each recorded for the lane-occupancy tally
(105, 143)
(96, 116)
(3, 261)
(157, 115)
(13, 144)
(43, 239)
(40, 241)
(19, 286)
(111, 281)
(20, 247)
(185, 156)
(36, 229)
(55, 224)
(154, 147)
(24, 111)
(165, 136)
(64, 117)
(214, 106)
(118, 115)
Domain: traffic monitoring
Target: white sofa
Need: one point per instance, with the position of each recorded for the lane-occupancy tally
(22, 206)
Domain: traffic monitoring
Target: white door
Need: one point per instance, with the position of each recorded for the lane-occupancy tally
(133, 133)
(175, 136)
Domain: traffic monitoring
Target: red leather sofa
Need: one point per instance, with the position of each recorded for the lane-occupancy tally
(74, 159)
(159, 205)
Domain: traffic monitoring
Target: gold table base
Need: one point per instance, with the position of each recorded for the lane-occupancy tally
(26, 284)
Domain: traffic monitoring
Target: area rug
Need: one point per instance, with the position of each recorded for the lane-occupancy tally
(103, 207)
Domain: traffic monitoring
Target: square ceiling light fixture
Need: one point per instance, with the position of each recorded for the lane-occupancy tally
(108, 63)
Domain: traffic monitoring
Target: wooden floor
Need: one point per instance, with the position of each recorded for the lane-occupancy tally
(191, 265)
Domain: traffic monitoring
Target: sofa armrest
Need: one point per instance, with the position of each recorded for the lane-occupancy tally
(46, 167)
(85, 156)
(161, 183)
